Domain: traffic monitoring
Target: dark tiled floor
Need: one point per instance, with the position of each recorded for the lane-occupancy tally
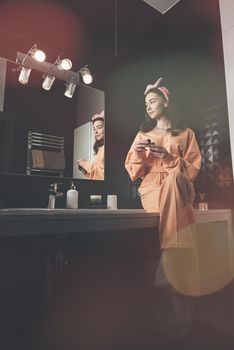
(84, 331)
(89, 311)
(202, 337)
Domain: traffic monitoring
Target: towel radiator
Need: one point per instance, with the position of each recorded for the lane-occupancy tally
(45, 154)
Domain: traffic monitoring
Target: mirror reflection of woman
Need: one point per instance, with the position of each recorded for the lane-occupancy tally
(95, 170)
(168, 159)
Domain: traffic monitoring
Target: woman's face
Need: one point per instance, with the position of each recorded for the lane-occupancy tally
(155, 105)
(98, 127)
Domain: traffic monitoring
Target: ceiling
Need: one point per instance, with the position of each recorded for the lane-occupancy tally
(162, 5)
(102, 31)
(133, 28)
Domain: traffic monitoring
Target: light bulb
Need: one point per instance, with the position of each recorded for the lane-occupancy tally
(48, 82)
(87, 78)
(39, 55)
(24, 75)
(70, 89)
(86, 75)
(65, 64)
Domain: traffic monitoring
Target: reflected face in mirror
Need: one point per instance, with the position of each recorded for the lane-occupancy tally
(98, 128)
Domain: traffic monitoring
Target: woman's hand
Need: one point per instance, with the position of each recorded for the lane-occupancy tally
(159, 151)
(82, 165)
(81, 162)
(140, 146)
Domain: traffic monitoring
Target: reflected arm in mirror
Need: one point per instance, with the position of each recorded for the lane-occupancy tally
(93, 170)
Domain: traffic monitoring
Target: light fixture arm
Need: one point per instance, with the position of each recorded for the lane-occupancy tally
(53, 65)
(75, 79)
(28, 53)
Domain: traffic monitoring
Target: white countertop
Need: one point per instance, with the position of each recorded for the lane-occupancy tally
(39, 221)
(46, 211)
(213, 215)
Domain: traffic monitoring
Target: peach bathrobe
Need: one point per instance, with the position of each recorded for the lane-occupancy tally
(95, 170)
(166, 185)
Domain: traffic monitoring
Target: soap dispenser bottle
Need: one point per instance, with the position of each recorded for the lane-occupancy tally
(72, 197)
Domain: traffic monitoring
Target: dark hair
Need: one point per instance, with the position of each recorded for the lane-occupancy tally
(98, 143)
(149, 124)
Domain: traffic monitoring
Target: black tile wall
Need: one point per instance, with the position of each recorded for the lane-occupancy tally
(215, 177)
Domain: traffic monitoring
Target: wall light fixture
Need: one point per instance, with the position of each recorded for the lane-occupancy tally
(24, 74)
(60, 69)
(86, 75)
(70, 89)
(64, 63)
(71, 85)
(48, 82)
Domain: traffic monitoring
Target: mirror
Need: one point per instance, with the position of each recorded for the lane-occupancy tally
(63, 127)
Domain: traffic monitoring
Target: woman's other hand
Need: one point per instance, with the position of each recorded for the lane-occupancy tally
(159, 151)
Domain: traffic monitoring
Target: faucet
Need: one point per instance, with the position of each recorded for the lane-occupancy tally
(53, 194)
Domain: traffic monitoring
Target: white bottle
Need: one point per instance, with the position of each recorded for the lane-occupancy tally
(72, 197)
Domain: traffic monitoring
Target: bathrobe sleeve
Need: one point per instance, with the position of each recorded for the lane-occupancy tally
(97, 167)
(135, 161)
(190, 161)
(95, 170)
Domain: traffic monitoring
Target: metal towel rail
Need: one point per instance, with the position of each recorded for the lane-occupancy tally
(45, 154)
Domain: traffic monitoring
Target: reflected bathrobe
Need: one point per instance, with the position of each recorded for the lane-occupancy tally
(167, 185)
(95, 170)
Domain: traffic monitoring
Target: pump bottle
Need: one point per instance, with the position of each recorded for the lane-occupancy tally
(72, 197)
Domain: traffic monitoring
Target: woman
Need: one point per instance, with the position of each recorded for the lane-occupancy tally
(95, 170)
(168, 160)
